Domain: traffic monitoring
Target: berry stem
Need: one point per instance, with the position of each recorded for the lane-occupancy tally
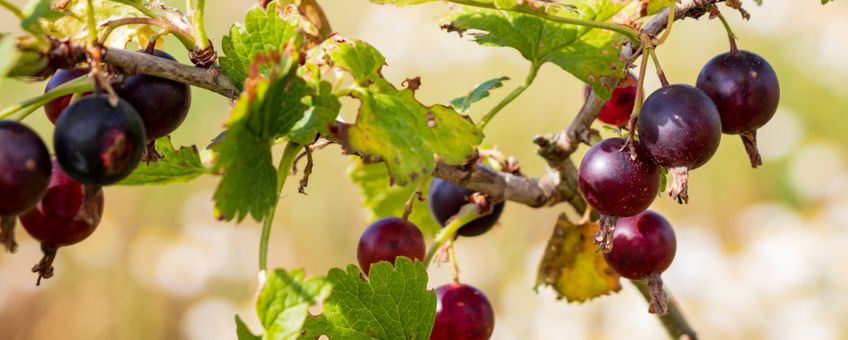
(531, 75)
(667, 31)
(7, 233)
(79, 85)
(466, 214)
(660, 72)
(674, 321)
(627, 31)
(283, 170)
(196, 10)
(416, 195)
(15, 10)
(730, 35)
(452, 258)
(91, 22)
(749, 139)
(640, 95)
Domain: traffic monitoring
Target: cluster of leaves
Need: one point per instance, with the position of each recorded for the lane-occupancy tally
(392, 303)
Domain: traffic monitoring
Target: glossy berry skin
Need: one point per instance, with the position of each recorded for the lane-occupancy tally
(680, 126)
(63, 217)
(617, 110)
(613, 183)
(744, 87)
(462, 313)
(98, 144)
(445, 199)
(162, 104)
(55, 107)
(24, 168)
(642, 245)
(388, 238)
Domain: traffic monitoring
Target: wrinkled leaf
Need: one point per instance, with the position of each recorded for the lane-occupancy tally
(263, 31)
(392, 126)
(73, 25)
(284, 301)
(589, 54)
(267, 110)
(573, 266)
(462, 104)
(385, 200)
(36, 10)
(393, 303)
(323, 109)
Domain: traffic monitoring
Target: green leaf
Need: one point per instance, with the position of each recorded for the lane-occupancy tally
(262, 31)
(267, 110)
(393, 303)
(400, 2)
(36, 10)
(73, 25)
(462, 104)
(176, 166)
(284, 301)
(323, 109)
(573, 266)
(392, 126)
(589, 54)
(384, 200)
(243, 332)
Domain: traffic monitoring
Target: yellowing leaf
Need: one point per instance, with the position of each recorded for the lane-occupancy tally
(573, 267)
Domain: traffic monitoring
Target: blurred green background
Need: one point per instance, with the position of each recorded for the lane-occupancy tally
(762, 254)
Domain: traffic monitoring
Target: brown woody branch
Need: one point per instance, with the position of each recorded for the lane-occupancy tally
(559, 185)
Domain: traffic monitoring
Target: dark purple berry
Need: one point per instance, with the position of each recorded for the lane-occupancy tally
(55, 107)
(615, 183)
(24, 168)
(643, 247)
(681, 129)
(445, 199)
(388, 238)
(162, 103)
(462, 313)
(746, 91)
(24, 175)
(64, 216)
(98, 144)
(643, 244)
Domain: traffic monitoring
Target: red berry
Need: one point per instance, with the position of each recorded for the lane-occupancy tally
(618, 108)
(66, 215)
(462, 313)
(63, 217)
(388, 238)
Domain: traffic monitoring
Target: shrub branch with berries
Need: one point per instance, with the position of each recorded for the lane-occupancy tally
(114, 98)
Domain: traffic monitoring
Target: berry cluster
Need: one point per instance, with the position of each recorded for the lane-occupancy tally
(98, 140)
(679, 129)
(462, 311)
